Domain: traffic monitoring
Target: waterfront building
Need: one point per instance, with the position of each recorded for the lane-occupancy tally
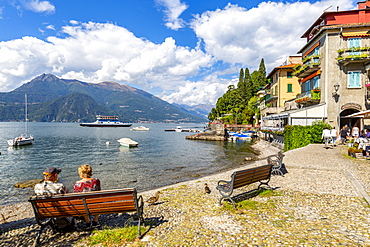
(282, 88)
(335, 70)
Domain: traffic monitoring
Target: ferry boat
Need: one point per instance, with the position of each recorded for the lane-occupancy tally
(106, 121)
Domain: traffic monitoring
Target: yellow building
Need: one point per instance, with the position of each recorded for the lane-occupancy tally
(280, 92)
(284, 85)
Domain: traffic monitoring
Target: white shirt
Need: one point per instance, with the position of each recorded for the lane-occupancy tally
(326, 133)
(333, 133)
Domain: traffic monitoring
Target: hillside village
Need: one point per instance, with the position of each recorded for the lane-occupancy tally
(329, 81)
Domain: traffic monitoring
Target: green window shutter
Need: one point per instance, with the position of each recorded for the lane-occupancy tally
(290, 88)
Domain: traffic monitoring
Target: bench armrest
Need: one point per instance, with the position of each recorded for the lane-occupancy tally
(224, 186)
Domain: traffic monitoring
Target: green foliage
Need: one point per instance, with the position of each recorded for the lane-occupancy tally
(296, 136)
(241, 102)
(116, 236)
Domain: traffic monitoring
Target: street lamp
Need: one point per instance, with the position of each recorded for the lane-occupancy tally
(336, 98)
(336, 88)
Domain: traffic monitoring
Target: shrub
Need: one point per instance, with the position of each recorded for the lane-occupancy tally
(296, 136)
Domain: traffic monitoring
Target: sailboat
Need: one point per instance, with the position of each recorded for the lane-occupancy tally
(23, 139)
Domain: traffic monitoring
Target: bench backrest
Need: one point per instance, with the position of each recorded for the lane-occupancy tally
(251, 175)
(87, 203)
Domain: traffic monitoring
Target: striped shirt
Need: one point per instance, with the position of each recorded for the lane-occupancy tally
(48, 188)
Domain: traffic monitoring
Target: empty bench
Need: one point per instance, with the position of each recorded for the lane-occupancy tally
(277, 162)
(86, 204)
(242, 178)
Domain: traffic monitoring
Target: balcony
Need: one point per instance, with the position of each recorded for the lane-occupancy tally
(354, 55)
(311, 97)
(310, 65)
(270, 97)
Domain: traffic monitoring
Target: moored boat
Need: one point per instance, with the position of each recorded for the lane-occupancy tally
(106, 121)
(140, 128)
(23, 139)
(127, 142)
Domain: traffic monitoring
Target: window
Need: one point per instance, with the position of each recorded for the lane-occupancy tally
(290, 88)
(308, 88)
(353, 43)
(316, 82)
(290, 74)
(354, 79)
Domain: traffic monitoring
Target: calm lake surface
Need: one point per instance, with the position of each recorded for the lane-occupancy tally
(162, 158)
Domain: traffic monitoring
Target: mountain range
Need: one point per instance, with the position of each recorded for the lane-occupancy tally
(53, 99)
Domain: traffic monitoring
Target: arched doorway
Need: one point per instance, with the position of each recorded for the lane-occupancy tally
(351, 121)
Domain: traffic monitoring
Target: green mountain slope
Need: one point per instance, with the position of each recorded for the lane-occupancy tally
(47, 96)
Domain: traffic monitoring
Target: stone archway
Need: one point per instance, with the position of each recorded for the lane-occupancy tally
(350, 121)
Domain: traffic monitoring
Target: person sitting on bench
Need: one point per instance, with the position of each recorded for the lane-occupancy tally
(50, 186)
(86, 184)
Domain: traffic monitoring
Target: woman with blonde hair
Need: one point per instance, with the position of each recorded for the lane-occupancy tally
(86, 184)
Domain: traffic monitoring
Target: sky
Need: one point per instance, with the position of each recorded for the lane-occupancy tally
(183, 51)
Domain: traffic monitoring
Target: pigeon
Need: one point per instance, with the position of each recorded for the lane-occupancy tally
(206, 188)
(153, 199)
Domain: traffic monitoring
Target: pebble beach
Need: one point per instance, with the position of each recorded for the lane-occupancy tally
(323, 200)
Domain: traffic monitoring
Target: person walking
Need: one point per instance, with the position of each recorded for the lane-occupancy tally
(326, 136)
(334, 136)
(343, 134)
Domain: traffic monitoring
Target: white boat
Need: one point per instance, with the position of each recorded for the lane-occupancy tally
(106, 121)
(127, 142)
(140, 128)
(23, 139)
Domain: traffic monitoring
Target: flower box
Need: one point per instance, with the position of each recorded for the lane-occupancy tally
(358, 155)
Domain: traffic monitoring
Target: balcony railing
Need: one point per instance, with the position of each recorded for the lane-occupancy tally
(311, 97)
(310, 65)
(354, 55)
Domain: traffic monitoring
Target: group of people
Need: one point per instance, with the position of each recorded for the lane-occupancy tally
(331, 136)
(52, 186)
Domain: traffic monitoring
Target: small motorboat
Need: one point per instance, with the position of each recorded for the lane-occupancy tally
(140, 128)
(127, 142)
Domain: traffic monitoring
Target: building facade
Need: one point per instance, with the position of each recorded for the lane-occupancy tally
(283, 87)
(335, 70)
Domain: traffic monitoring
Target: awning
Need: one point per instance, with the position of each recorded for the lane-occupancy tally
(318, 72)
(360, 114)
(274, 117)
(356, 34)
(311, 49)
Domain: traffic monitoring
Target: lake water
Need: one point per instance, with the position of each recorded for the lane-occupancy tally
(162, 158)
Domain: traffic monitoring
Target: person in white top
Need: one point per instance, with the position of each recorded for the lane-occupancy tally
(326, 136)
(355, 132)
(334, 136)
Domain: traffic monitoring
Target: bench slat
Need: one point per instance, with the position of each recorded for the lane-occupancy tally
(249, 176)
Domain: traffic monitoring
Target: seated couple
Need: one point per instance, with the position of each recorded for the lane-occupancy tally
(51, 186)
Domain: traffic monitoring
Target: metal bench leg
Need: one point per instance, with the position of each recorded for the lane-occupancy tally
(229, 198)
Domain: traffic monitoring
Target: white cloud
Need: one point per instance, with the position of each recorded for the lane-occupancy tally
(95, 52)
(172, 10)
(205, 91)
(271, 31)
(39, 6)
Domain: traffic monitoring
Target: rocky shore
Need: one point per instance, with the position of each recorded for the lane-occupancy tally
(321, 201)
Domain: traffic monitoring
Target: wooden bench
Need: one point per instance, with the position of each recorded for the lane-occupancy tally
(86, 204)
(242, 178)
(276, 161)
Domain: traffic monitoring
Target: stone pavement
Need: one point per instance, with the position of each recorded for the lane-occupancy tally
(321, 201)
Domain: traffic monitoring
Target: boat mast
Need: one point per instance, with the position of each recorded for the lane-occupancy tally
(26, 119)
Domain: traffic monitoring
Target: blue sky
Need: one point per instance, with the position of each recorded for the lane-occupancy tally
(186, 52)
